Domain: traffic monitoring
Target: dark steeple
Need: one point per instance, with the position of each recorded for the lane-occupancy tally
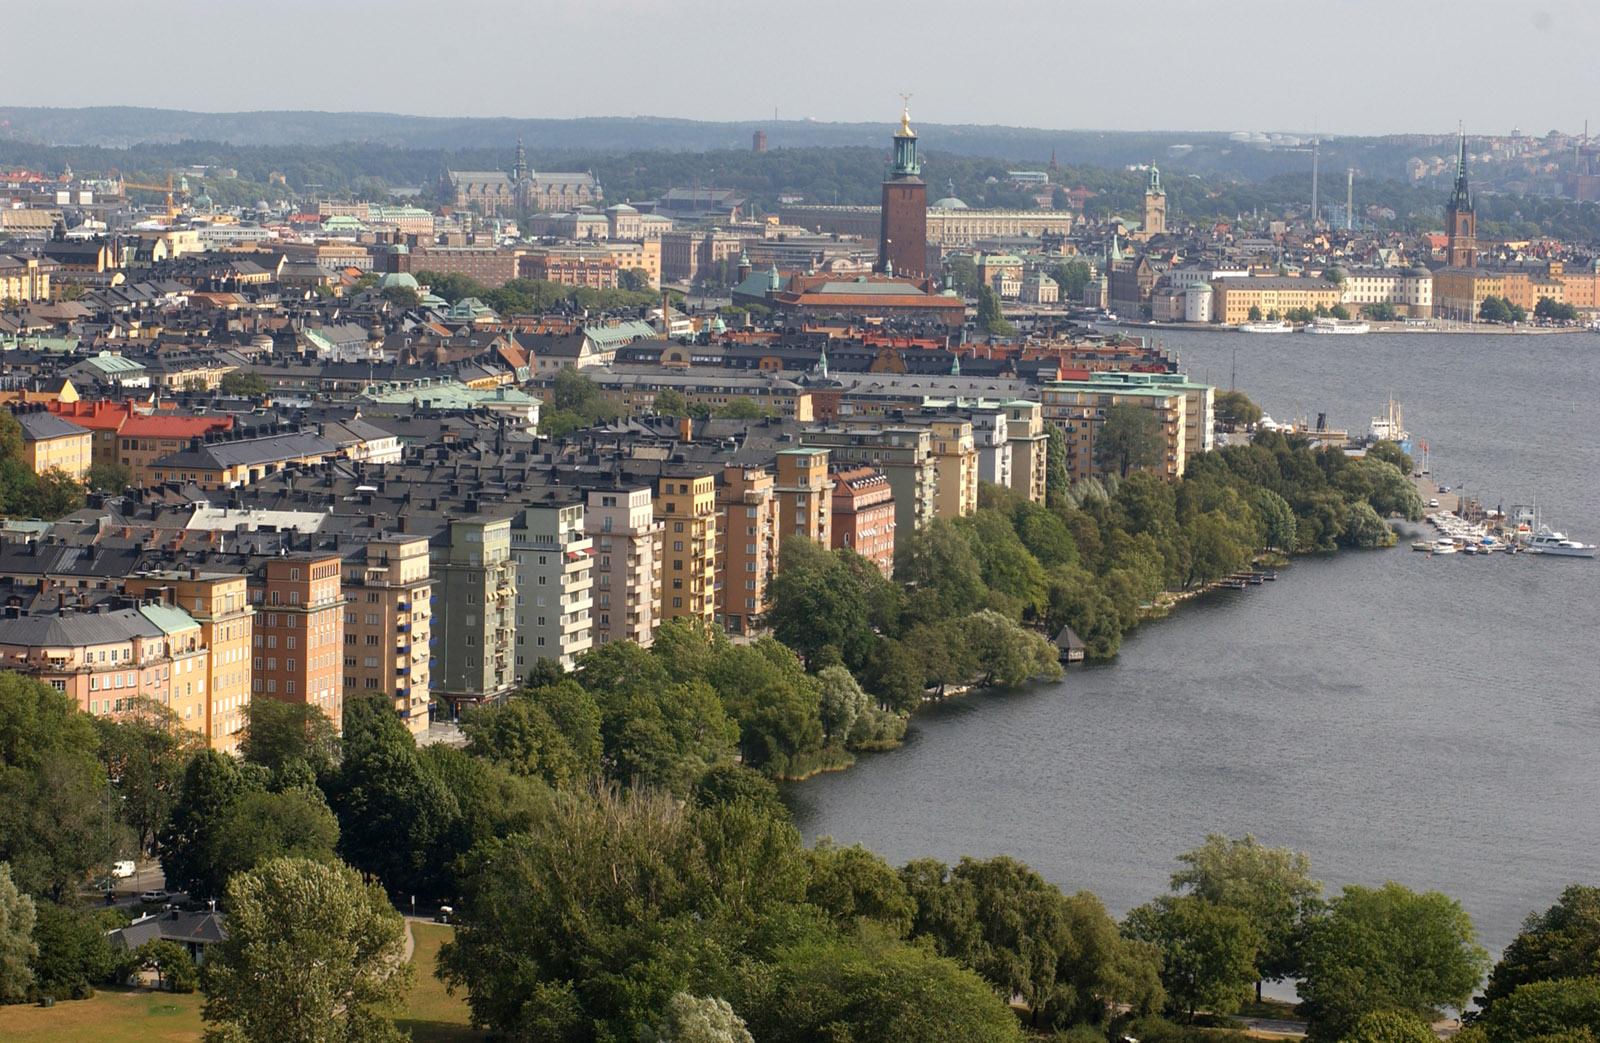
(519, 170)
(1461, 199)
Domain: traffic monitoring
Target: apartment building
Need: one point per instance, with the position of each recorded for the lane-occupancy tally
(1233, 299)
(555, 581)
(686, 506)
(474, 618)
(220, 603)
(903, 454)
(747, 545)
(863, 515)
(991, 436)
(126, 436)
(299, 631)
(1079, 409)
(388, 591)
(621, 520)
(219, 462)
(955, 454)
(1030, 448)
(106, 658)
(805, 495)
(52, 444)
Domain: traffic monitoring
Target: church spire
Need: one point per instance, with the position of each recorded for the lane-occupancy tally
(519, 169)
(1461, 198)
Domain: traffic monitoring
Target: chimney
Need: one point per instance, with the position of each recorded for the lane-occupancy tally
(686, 429)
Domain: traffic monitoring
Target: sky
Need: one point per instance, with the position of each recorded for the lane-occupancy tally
(1332, 66)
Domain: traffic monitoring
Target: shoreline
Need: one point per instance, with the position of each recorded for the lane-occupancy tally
(1473, 329)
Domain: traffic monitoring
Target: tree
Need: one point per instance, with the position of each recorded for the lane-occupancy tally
(637, 279)
(396, 818)
(1234, 410)
(57, 494)
(258, 826)
(403, 297)
(1389, 1026)
(1072, 276)
(53, 794)
(692, 1019)
(1382, 311)
(765, 689)
(17, 947)
(1272, 887)
(1561, 942)
(842, 702)
(585, 927)
(990, 318)
(874, 990)
(1391, 452)
(1254, 315)
(211, 783)
(670, 403)
(239, 384)
(1056, 480)
(1542, 1009)
(74, 952)
(312, 953)
(1061, 954)
(1130, 438)
(1339, 311)
(855, 887)
(520, 735)
(1005, 653)
(1387, 948)
(175, 969)
(960, 274)
(821, 600)
(741, 409)
(1493, 309)
(108, 476)
(277, 732)
(1208, 951)
(937, 563)
(1547, 308)
(145, 752)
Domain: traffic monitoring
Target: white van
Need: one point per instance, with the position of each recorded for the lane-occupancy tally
(124, 869)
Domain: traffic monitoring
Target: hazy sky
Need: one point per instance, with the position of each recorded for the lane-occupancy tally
(1352, 66)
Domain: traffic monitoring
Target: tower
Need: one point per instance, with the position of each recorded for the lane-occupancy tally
(1461, 224)
(1155, 206)
(1316, 146)
(521, 178)
(903, 220)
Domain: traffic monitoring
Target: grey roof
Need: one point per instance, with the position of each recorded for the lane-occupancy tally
(264, 450)
(76, 629)
(43, 426)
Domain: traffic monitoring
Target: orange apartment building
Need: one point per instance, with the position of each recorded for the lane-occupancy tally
(747, 545)
(863, 515)
(134, 439)
(387, 587)
(220, 604)
(299, 632)
(686, 506)
(805, 495)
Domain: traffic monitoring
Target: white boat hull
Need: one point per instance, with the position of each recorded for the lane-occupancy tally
(1565, 552)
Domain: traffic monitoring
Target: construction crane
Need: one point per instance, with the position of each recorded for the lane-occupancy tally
(182, 189)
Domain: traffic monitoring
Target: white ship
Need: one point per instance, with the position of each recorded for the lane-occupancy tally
(1266, 327)
(1549, 541)
(1335, 326)
(1391, 427)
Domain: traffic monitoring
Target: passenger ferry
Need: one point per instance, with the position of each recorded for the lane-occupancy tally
(1335, 326)
(1266, 327)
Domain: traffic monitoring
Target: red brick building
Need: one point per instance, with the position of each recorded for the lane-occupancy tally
(299, 632)
(903, 218)
(863, 515)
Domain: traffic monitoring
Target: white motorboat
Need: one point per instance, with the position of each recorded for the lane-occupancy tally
(1266, 327)
(1549, 541)
(1444, 546)
(1336, 326)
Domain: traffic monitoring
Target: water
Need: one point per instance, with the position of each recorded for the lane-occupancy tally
(1434, 721)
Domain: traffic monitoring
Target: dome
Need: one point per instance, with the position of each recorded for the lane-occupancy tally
(948, 203)
(403, 279)
(1417, 271)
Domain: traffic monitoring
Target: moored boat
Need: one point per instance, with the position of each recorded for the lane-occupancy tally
(1549, 541)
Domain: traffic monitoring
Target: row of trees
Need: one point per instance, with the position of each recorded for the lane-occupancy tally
(1096, 558)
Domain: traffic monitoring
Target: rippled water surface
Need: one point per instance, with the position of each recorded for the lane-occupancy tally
(1433, 721)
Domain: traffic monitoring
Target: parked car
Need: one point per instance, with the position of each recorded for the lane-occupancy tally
(1433, 503)
(124, 869)
(444, 915)
(155, 896)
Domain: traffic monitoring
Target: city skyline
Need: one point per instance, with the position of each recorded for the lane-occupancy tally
(1366, 67)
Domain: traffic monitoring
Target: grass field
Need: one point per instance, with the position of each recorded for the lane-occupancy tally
(138, 1016)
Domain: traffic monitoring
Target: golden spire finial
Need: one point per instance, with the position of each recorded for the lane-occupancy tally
(905, 116)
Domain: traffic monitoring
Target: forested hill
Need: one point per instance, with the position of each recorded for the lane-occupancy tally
(1209, 152)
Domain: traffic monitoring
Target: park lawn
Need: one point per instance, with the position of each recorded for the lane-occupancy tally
(109, 1016)
(430, 1014)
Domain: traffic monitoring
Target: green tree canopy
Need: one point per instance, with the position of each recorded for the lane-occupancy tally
(1389, 1026)
(1542, 1009)
(1561, 942)
(277, 732)
(1235, 410)
(17, 947)
(1129, 439)
(312, 953)
(1208, 951)
(1387, 948)
(1271, 886)
(244, 385)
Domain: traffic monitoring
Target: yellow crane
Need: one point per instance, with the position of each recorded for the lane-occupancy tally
(182, 189)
